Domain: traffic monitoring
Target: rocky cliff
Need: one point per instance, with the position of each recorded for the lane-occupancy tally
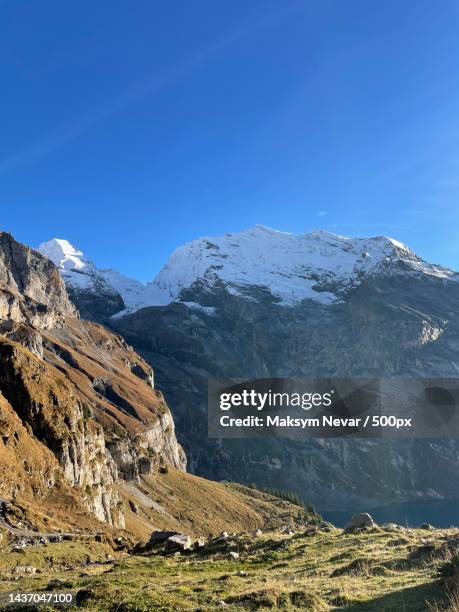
(31, 288)
(72, 393)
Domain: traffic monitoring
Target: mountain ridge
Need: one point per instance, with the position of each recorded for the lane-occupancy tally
(318, 265)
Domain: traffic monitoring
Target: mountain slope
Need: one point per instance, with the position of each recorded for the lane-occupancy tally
(80, 393)
(313, 570)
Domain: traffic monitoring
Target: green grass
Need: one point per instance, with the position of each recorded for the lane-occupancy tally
(373, 571)
(58, 556)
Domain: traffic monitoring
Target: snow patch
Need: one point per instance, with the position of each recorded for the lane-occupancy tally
(209, 310)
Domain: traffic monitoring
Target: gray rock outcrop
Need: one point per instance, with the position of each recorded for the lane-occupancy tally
(31, 288)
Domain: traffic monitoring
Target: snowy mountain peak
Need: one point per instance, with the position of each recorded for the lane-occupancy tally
(318, 265)
(63, 254)
(80, 274)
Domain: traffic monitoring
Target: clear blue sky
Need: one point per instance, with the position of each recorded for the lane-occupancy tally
(130, 127)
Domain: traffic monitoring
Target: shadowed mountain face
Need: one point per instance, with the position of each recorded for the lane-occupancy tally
(392, 327)
(267, 304)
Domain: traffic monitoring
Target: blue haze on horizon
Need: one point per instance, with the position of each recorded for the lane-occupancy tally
(129, 128)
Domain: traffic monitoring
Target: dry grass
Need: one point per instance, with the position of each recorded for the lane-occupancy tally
(273, 572)
(188, 503)
(449, 604)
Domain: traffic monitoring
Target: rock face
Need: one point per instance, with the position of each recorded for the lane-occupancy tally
(55, 415)
(72, 393)
(31, 288)
(23, 334)
(138, 425)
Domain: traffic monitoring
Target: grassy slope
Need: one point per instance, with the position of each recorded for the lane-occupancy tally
(183, 502)
(85, 351)
(326, 571)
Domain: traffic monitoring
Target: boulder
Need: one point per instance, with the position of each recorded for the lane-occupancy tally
(159, 537)
(360, 521)
(25, 569)
(258, 533)
(393, 527)
(427, 526)
(178, 542)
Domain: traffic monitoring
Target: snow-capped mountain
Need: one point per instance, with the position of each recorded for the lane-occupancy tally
(318, 265)
(83, 277)
(76, 270)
